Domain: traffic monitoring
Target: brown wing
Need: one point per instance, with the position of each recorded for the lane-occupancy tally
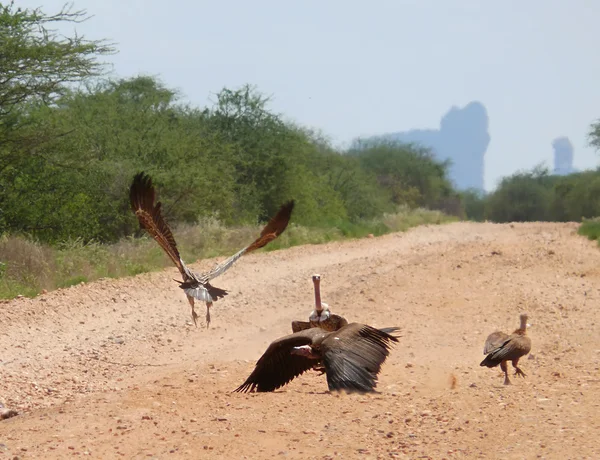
(494, 340)
(278, 366)
(141, 197)
(513, 347)
(298, 326)
(333, 323)
(353, 356)
(272, 230)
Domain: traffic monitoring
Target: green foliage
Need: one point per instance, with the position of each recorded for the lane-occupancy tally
(410, 174)
(68, 154)
(521, 197)
(37, 61)
(36, 64)
(590, 228)
(539, 196)
(235, 161)
(594, 135)
(474, 204)
(577, 196)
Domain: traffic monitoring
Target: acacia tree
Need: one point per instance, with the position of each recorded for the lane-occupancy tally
(36, 66)
(594, 135)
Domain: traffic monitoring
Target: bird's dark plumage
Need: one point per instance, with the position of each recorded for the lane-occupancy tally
(514, 347)
(352, 357)
(332, 323)
(494, 340)
(501, 348)
(142, 197)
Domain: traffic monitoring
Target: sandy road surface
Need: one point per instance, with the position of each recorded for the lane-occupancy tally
(114, 369)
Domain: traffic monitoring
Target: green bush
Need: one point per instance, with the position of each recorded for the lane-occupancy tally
(410, 174)
(590, 228)
(474, 204)
(539, 196)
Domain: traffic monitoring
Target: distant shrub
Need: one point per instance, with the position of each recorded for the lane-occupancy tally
(27, 267)
(590, 228)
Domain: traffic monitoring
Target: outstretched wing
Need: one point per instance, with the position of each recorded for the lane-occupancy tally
(272, 230)
(142, 197)
(278, 366)
(353, 356)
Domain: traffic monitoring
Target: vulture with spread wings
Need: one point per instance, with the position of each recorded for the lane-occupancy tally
(142, 197)
(352, 357)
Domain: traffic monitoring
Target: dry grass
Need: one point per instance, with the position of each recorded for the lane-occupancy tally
(28, 267)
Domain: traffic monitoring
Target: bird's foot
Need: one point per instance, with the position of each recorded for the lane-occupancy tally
(319, 369)
(520, 372)
(507, 381)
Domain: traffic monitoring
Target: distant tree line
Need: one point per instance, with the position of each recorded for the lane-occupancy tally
(68, 153)
(537, 195)
(71, 141)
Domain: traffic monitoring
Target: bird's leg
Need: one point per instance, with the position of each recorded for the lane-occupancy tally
(319, 368)
(208, 305)
(194, 314)
(518, 370)
(504, 368)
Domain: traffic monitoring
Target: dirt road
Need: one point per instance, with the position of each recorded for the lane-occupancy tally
(114, 369)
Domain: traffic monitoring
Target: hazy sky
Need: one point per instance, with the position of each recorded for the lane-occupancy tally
(357, 68)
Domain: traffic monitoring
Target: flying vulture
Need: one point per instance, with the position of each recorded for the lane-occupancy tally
(142, 197)
(501, 348)
(321, 316)
(352, 357)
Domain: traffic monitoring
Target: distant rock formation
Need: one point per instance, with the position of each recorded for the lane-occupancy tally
(563, 156)
(462, 138)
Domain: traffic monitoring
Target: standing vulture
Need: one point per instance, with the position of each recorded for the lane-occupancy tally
(321, 316)
(500, 348)
(352, 357)
(142, 197)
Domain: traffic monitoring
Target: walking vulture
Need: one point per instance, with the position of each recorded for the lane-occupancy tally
(501, 348)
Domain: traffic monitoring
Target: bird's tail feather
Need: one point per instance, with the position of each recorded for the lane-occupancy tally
(389, 330)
